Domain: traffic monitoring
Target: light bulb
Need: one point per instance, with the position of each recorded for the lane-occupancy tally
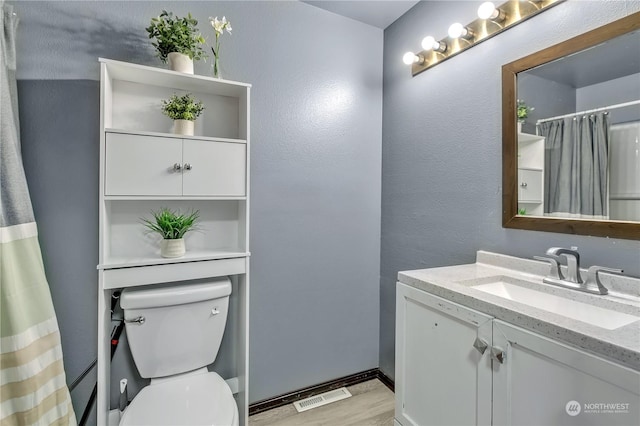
(428, 43)
(487, 10)
(456, 30)
(410, 58)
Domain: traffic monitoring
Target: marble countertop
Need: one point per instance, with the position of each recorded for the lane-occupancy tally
(454, 283)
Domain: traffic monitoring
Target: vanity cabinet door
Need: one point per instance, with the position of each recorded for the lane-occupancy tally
(441, 378)
(142, 165)
(544, 382)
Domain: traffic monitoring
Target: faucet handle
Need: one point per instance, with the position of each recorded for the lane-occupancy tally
(593, 277)
(554, 272)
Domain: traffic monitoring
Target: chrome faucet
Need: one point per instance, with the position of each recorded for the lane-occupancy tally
(573, 279)
(573, 262)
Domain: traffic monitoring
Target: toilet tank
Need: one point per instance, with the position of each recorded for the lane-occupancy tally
(180, 325)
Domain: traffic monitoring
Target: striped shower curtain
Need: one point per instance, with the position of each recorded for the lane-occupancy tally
(33, 389)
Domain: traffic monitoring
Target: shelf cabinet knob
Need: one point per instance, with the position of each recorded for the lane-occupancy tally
(177, 167)
(188, 166)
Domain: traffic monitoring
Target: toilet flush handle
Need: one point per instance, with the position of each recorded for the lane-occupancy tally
(140, 320)
(215, 311)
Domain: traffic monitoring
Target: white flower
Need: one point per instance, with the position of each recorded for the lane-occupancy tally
(220, 25)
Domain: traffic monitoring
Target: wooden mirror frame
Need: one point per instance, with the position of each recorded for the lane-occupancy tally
(510, 218)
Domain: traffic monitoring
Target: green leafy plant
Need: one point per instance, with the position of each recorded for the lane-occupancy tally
(523, 110)
(184, 107)
(174, 34)
(522, 212)
(172, 225)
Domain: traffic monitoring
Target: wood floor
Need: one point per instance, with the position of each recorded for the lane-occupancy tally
(372, 404)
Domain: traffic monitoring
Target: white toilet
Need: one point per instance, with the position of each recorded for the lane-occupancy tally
(174, 332)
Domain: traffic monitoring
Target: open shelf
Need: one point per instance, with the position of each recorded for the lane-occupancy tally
(166, 78)
(190, 256)
(174, 136)
(528, 137)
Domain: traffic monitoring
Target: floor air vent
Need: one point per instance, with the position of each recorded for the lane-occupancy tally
(322, 399)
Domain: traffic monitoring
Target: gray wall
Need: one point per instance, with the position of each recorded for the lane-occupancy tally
(548, 98)
(316, 159)
(441, 170)
(612, 92)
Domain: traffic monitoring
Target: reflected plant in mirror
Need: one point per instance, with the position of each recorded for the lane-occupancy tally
(523, 110)
(573, 164)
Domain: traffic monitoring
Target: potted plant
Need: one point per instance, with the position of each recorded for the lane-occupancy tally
(183, 110)
(172, 225)
(523, 112)
(177, 40)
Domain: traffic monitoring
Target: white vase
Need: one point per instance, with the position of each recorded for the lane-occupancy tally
(180, 62)
(183, 127)
(172, 248)
(519, 126)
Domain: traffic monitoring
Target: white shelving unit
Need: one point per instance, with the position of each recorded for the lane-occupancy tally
(139, 156)
(531, 173)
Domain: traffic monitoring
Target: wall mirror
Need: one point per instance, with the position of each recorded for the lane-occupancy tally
(571, 135)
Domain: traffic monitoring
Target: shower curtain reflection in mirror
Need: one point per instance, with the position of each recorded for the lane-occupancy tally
(592, 166)
(576, 166)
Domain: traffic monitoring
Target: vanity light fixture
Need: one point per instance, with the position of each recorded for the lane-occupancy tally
(488, 10)
(411, 58)
(491, 21)
(430, 43)
(458, 30)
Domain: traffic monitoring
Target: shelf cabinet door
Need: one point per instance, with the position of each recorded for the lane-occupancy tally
(544, 382)
(530, 185)
(142, 165)
(214, 168)
(441, 378)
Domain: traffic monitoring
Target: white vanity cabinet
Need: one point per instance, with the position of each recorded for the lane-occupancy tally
(145, 167)
(543, 382)
(521, 379)
(441, 378)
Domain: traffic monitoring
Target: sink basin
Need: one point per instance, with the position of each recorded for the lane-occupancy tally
(594, 315)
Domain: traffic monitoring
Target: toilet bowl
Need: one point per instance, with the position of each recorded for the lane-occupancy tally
(174, 332)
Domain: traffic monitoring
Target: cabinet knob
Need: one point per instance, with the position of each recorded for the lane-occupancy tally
(480, 345)
(523, 184)
(498, 354)
(177, 167)
(188, 166)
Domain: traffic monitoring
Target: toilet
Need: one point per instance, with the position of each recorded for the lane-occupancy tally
(175, 331)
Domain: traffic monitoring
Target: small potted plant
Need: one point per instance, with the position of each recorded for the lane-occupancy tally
(172, 225)
(177, 40)
(183, 110)
(523, 112)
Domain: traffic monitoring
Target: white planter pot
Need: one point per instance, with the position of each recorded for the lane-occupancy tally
(172, 248)
(519, 126)
(183, 127)
(180, 62)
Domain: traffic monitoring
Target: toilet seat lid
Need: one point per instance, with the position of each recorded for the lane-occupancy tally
(201, 399)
